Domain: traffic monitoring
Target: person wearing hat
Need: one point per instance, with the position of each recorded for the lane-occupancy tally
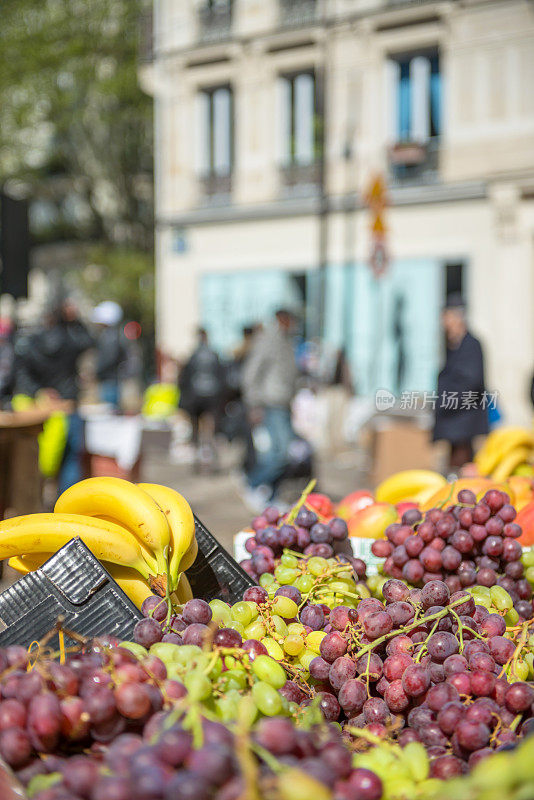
(111, 351)
(269, 384)
(460, 410)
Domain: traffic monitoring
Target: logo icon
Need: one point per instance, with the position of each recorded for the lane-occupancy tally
(384, 400)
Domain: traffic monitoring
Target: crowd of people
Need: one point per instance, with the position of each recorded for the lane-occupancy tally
(251, 396)
(42, 365)
(248, 398)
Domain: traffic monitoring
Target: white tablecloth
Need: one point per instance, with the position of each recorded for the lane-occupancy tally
(115, 437)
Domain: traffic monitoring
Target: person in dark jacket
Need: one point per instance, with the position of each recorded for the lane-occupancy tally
(7, 362)
(47, 360)
(111, 351)
(461, 410)
(201, 383)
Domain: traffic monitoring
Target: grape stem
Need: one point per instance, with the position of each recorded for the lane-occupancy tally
(300, 502)
(512, 661)
(406, 628)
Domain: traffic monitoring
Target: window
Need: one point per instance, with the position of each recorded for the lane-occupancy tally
(215, 19)
(454, 274)
(215, 135)
(299, 124)
(416, 97)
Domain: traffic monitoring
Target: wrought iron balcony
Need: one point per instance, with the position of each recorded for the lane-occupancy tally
(296, 13)
(300, 175)
(216, 185)
(412, 162)
(215, 21)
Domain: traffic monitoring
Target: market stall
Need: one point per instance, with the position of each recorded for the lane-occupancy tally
(296, 674)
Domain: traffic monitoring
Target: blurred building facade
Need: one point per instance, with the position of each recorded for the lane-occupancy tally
(273, 117)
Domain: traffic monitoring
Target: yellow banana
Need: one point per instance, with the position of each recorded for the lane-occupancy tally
(190, 555)
(20, 565)
(404, 485)
(124, 503)
(498, 444)
(183, 590)
(181, 522)
(131, 584)
(130, 581)
(46, 533)
(509, 462)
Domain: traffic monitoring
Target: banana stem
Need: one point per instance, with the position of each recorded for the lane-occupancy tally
(161, 562)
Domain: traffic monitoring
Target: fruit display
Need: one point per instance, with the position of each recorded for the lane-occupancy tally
(506, 451)
(144, 535)
(469, 544)
(321, 682)
(304, 529)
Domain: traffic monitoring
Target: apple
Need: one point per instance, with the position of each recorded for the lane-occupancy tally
(321, 503)
(371, 522)
(353, 503)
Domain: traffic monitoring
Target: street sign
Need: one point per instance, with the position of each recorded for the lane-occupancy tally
(376, 199)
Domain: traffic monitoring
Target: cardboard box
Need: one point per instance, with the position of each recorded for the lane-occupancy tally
(399, 444)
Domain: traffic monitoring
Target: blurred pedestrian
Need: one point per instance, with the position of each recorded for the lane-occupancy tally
(47, 362)
(460, 410)
(269, 384)
(201, 383)
(336, 396)
(111, 351)
(7, 362)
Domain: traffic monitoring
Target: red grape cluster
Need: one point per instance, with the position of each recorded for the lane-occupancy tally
(308, 535)
(188, 627)
(466, 544)
(427, 666)
(101, 727)
(88, 701)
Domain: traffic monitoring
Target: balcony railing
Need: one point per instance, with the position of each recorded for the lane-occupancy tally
(296, 13)
(412, 162)
(215, 22)
(216, 185)
(293, 176)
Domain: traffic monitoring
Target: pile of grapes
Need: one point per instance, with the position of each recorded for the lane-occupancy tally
(301, 531)
(310, 686)
(424, 686)
(107, 725)
(470, 543)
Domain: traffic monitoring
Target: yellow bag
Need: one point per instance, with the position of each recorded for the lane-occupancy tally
(52, 439)
(160, 400)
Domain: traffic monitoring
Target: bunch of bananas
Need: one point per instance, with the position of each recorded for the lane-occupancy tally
(409, 485)
(506, 451)
(144, 534)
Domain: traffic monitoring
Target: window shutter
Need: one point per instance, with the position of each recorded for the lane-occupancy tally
(304, 119)
(222, 132)
(283, 122)
(201, 134)
(420, 106)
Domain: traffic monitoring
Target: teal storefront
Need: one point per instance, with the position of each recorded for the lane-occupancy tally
(389, 326)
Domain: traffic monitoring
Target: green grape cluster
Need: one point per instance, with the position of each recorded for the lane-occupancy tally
(219, 678)
(507, 775)
(404, 771)
(319, 580)
(270, 624)
(498, 601)
(527, 559)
